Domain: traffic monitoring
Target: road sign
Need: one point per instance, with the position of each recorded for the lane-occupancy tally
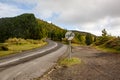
(69, 35)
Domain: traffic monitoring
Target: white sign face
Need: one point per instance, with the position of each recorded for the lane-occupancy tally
(69, 35)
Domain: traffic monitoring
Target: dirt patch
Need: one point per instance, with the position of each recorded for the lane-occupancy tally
(96, 65)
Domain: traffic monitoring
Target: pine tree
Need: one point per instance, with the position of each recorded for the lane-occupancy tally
(104, 33)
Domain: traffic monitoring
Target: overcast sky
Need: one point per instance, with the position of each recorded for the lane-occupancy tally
(83, 15)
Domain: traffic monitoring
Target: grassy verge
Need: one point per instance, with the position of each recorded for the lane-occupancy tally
(107, 49)
(69, 62)
(75, 44)
(16, 48)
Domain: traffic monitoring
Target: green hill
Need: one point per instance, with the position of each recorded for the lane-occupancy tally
(50, 30)
(23, 26)
(27, 26)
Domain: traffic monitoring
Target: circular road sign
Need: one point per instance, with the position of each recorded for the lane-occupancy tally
(69, 35)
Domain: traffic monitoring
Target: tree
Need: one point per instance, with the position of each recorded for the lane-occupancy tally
(88, 39)
(95, 38)
(104, 33)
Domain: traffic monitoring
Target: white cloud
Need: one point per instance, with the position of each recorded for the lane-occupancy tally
(25, 2)
(87, 15)
(78, 10)
(9, 10)
(112, 25)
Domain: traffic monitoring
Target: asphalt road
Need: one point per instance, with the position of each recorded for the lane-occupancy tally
(27, 55)
(31, 64)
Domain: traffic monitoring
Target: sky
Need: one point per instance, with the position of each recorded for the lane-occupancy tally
(83, 15)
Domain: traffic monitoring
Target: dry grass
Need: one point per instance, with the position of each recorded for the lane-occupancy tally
(15, 47)
(69, 62)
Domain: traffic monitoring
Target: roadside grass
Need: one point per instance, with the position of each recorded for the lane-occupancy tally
(4, 53)
(66, 62)
(75, 44)
(14, 47)
(23, 47)
(112, 44)
(107, 49)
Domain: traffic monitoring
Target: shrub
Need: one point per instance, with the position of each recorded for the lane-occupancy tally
(17, 41)
(101, 40)
(88, 39)
(114, 44)
(4, 48)
(34, 41)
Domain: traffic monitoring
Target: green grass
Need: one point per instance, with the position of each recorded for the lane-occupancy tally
(75, 44)
(112, 45)
(4, 53)
(69, 62)
(16, 48)
(24, 47)
(107, 49)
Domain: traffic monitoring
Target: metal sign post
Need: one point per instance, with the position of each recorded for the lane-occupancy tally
(70, 49)
(69, 35)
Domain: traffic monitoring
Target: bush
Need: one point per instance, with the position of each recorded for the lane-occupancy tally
(101, 40)
(18, 41)
(114, 44)
(4, 48)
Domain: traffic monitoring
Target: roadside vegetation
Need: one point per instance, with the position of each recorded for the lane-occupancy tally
(107, 42)
(16, 45)
(67, 62)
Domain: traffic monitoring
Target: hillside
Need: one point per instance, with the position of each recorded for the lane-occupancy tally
(50, 30)
(23, 26)
(27, 26)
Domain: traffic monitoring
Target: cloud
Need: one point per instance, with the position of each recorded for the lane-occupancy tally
(79, 10)
(9, 10)
(84, 15)
(87, 15)
(112, 25)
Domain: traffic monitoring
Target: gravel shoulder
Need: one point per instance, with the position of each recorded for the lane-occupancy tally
(96, 65)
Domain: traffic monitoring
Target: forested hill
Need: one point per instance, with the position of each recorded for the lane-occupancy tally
(23, 26)
(50, 30)
(27, 26)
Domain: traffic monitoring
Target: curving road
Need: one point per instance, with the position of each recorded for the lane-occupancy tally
(31, 64)
(28, 55)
